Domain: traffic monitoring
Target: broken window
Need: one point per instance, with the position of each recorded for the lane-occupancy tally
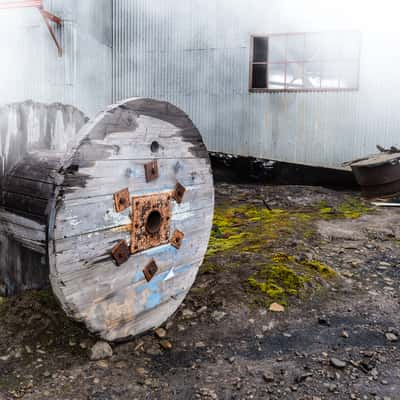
(305, 62)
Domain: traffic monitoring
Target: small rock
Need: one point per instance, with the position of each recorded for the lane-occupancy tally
(347, 274)
(384, 264)
(5, 358)
(141, 371)
(28, 349)
(275, 307)
(268, 376)
(46, 374)
(303, 377)
(187, 314)
(345, 334)
(166, 344)
(337, 363)
(218, 315)
(391, 337)
(103, 364)
(100, 351)
(200, 345)
(202, 310)
(84, 344)
(153, 351)
(161, 333)
(332, 387)
(121, 365)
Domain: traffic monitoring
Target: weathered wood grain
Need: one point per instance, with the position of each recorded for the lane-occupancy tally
(33, 139)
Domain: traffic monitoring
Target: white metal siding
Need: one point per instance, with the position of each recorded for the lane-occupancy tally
(196, 54)
(31, 68)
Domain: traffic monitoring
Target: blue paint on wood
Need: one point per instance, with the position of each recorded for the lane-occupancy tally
(155, 297)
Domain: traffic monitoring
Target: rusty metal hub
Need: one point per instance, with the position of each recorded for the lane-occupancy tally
(150, 221)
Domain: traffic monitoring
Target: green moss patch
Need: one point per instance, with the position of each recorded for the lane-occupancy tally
(276, 282)
(284, 277)
(351, 208)
(247, 240)
(251, 229)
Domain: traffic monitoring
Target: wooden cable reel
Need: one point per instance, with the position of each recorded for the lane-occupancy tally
(128, 214)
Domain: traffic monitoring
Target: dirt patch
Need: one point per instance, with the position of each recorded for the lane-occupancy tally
(330, 258)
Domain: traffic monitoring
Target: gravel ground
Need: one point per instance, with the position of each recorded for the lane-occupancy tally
(338, 337)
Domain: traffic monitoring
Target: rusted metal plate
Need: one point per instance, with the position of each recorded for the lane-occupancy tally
(150, 221)
(179, 193)
(120, 252)
(150, 270)
(177, 239)
(122, 200)
(151, 171)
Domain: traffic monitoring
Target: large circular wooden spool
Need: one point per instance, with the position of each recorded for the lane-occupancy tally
(128, 213)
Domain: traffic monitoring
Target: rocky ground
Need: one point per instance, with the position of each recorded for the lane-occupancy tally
(326, 258)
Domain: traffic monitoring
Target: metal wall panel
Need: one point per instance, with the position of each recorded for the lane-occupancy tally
(196, 54)
(31, 68)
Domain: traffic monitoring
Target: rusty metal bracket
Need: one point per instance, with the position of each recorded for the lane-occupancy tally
(179, 192)
(177, 239)
(150, 270)
(122, 200)
(47, 16)
(150, 221)
(50, 17)
(120, 252)
(151, 171)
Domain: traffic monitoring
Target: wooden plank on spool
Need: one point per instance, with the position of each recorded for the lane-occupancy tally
(84, 251)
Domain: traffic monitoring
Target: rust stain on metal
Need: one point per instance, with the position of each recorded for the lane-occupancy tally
(150, 221)
(151, 171)
(179, 193)
(120, 252)
(122, 200)
(150, 270)
(177, 239)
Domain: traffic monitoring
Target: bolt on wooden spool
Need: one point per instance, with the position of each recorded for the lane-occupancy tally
(116, 217)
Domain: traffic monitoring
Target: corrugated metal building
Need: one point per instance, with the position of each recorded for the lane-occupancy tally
(197, 55)
(31, 68)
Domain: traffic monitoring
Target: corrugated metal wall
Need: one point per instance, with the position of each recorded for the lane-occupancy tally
(31, 68)
(196, 54)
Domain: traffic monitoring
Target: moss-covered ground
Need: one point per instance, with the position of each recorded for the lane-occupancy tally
(273, 239)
